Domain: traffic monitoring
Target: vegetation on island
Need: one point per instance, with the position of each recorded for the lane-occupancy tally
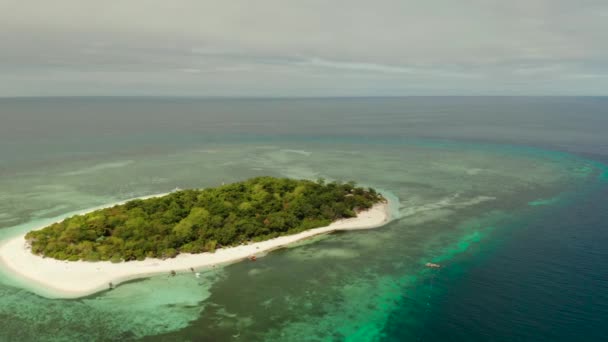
(195, 221)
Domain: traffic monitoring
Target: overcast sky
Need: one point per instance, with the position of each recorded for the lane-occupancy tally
(303, 48)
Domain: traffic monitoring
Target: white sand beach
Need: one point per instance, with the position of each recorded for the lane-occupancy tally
(73, 279)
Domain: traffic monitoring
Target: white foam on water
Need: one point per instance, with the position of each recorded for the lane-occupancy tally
(444, 203)
(303, 254)
(99, 167)
(300, 152)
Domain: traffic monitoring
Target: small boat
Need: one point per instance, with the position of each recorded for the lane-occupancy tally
(252, 258)
(432, 265)
(197, 274)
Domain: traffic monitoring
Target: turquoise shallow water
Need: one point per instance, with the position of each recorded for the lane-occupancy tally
(492, 198)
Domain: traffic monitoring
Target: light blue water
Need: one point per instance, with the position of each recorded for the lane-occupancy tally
(506, 193)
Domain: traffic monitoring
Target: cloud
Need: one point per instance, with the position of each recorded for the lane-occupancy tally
(366, 67)
(310, 48)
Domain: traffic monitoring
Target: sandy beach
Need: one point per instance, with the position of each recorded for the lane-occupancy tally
(73, 279)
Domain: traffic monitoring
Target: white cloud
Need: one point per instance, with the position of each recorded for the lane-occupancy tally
(191, 70)
(368, 67)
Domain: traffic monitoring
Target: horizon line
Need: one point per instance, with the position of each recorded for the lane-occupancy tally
(270, 97)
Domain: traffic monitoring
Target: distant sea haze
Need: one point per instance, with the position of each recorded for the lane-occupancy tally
(506, 194)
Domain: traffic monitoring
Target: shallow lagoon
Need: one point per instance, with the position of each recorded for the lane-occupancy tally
(459, 202)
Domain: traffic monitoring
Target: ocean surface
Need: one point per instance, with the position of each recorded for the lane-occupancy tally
(508, 194)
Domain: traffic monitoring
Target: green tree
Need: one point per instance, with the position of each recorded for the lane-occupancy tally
(195, 221)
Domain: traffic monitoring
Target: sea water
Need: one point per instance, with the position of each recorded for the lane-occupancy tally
(507, 194)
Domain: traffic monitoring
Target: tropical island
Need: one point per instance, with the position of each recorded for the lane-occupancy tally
(197, 221)
(186, 230)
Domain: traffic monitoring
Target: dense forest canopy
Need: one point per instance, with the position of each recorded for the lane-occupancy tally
(195, 221)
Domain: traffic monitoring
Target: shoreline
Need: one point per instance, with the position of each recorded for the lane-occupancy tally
(73, 279)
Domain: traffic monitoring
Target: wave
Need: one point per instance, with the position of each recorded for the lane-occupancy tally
(99, 167)
(445, 203)
(301, 152)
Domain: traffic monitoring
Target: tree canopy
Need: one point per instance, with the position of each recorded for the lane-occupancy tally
(196, 221)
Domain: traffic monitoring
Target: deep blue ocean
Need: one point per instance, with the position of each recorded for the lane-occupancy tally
(543, 279)
(507, 193)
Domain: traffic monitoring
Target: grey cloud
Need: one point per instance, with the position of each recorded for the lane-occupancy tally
(368, 67)
(307, 48)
